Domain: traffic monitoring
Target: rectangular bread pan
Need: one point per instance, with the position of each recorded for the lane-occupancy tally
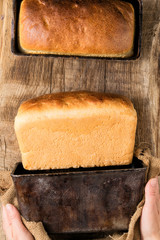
(80, 201)
(137, 4)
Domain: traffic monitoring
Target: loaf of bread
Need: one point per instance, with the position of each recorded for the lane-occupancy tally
(103, 28)
(76, 129)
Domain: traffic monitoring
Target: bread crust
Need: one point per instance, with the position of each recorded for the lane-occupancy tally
(76, 129)
(74, 104)
(77, 27)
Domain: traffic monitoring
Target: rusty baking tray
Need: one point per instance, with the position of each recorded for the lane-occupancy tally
(137, 4)
(83, 201)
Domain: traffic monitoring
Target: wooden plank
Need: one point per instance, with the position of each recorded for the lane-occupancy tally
(151, 52)
(84, 74)
(71, 74)
(26, 77)
(139, 80)
(20, 78)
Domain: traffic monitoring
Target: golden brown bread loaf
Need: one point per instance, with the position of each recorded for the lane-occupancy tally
(76, 129)
(102, 28)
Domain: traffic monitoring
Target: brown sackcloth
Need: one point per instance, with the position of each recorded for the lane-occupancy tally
(153, 169)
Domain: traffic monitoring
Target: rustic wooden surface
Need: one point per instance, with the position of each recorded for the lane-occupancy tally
(26, 77)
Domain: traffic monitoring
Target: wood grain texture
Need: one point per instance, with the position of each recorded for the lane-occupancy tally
(26, 77)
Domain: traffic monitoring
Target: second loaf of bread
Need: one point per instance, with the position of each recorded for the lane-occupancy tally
(77, 27)
(76, 129)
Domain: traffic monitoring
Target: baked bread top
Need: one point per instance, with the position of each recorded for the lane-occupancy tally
(73, 104)
(77, 27)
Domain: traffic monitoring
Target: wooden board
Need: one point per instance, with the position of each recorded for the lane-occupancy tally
(26, 77)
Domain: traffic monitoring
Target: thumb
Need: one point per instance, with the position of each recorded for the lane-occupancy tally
(18, 229)
(152, 191)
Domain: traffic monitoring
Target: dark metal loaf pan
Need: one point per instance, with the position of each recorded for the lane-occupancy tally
(137, 4)
(84, 200)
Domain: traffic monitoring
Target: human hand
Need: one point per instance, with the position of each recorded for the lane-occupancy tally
(150, 219)
(12, 224)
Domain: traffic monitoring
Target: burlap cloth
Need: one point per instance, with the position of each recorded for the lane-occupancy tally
(8, 195)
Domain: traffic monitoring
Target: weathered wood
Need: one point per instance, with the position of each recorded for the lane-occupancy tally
(26, 77)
